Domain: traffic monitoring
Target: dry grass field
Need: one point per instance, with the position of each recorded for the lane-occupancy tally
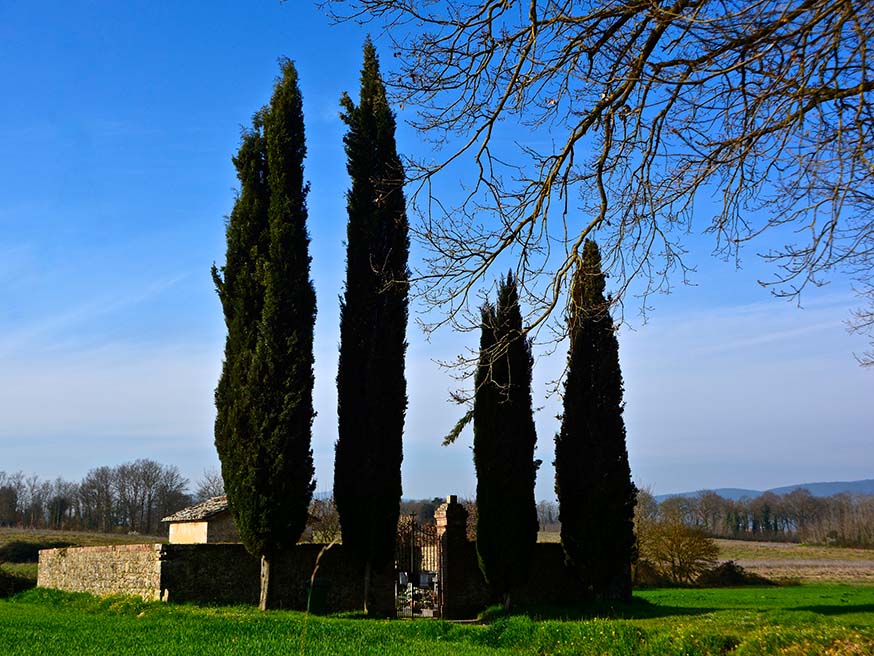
(783, 561)
(801, 562)
(78, 538)
(548, 536)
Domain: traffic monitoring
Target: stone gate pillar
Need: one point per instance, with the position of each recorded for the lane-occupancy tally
(451, 520)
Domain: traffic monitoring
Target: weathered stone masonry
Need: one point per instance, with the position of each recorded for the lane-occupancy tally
(227, 574)
(464, 592)
(213, 573)
(130, 569)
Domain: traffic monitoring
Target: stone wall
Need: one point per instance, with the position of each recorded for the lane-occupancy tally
(217, 574)
(549, 582)
(227, 573)
(131, 569)
(464, 591)
(222, 529)
(213, 573)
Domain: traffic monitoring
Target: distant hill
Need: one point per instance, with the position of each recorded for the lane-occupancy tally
(827, 489)
(865, 486)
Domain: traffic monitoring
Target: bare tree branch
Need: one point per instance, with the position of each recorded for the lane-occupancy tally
(633, 115)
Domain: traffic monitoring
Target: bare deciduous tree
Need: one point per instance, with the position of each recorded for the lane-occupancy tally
(97, 500)
(667, 544)
(211, 484)
(324, 521)
(640, 121)
(145, 491)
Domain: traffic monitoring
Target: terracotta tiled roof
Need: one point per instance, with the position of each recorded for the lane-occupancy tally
(201, 511)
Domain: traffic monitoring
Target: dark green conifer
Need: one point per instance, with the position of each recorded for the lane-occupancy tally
(371, 387)
(264, 396)
(504, 439)
(592, 477)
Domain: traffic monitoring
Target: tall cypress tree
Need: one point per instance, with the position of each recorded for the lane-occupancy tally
(241, 296)
(371, 388)
(504, 439)
(264, 396)
(592, 477)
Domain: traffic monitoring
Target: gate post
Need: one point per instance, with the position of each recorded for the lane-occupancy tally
(451, 520)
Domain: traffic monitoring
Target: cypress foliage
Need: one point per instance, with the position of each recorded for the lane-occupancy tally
(240, 294)
(264, 395)
(371, 388)
(503, 447)
(592, 477)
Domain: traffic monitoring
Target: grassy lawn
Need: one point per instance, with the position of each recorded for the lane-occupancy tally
(809, 619)
(23, 570)
(836, 620)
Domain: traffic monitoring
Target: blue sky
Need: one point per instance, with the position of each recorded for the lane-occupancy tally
(117, 124)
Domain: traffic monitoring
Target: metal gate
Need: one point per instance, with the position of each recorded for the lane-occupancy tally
(417, 569)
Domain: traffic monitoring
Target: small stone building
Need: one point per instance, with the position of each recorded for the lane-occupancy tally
(207, 522)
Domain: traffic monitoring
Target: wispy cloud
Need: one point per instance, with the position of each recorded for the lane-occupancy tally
(749, 330)
(46, 331)
(119, 389)
(773, 335)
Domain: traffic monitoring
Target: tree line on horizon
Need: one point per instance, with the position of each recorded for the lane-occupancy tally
(264, 395)
(845, 520)
(130, 497)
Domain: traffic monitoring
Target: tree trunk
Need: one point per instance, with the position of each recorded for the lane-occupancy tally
(506, 601)
(266, 600)
(366, 586)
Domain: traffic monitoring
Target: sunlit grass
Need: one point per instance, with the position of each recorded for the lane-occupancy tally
(22, 570)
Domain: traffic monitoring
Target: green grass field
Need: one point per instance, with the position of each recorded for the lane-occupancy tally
(810, 619)
(815, 620)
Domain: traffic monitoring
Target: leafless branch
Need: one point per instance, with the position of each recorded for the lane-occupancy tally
(622, 119)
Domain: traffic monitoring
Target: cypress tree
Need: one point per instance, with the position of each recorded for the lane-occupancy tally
(264, 396)
(504, 439)
(371, 388)
(592, 477)
(239, 291)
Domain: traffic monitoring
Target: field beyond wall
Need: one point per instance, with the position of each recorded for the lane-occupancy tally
(793, 563)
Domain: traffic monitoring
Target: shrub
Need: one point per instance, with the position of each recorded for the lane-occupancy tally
(730, 574)
(646, 575)
(676, 552)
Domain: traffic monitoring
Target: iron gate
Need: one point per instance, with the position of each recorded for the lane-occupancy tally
(417, 569)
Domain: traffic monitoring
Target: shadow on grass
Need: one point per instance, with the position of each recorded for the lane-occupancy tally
(11, 584)
(843, 609)
(636, 609)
